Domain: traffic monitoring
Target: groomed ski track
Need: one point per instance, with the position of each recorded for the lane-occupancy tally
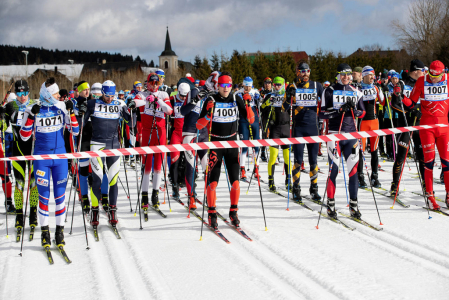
(292, 260)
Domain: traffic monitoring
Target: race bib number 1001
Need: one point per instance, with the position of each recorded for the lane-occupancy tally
(225, 112)
(435, 92)
(341, 97)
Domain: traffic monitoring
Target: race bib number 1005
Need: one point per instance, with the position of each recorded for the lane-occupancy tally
(306, 97)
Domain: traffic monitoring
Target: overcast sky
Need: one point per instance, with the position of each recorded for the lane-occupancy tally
(200, 26)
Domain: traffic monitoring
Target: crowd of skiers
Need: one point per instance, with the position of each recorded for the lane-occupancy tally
(98, 117)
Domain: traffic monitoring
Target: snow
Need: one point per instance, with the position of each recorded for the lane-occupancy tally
(292, 260)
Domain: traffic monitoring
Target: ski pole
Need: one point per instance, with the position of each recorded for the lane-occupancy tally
(207, 173)
(137, 178)
(289, 184)
(126, 173)
(28, 190)
(369, 178)
(163, 169)
(3, 147)
(260, 190)
(334, 154)
(77, 166)
(344, 178)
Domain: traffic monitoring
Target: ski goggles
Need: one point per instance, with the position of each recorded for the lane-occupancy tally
(305, 71)
(435, 76)
(345, 73)
(20, 94)
(225, 85)
(278, 84)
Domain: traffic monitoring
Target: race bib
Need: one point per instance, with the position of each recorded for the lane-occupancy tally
(20, 114)
(107, 111)
(341, 97)
(277, 100)
(49, 123)
(369, 94)
(306, 97)
(435, 92)
(225, 112)
(150, 112)
(178, 114)
(407, 90)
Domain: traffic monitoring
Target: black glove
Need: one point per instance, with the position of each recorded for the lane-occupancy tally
(82, 108)
(2, 111)
(35, 109)
(69, 105)
(132, 105)
(291, 91)
(346, 107)
(416, 113)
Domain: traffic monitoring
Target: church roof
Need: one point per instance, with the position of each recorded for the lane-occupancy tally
(168, 51)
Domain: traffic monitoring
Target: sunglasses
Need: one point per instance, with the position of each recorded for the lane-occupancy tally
(435, 76)
(225, 85)
(20, 94)
(305, 71)
(161, 76)
(345, 73)
(278, 84)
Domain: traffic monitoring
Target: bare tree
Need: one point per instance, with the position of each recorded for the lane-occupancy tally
(423, 33)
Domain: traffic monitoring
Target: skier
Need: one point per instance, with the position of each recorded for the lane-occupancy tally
(246, 130)
(105, 114)
(227, 107)
(278, 109)
(47, 123)
(191, 111)
(176, 102)
(341, 103)
(13, 115)
(371, 96)
(432, 91)
(265, 91)
(153, 109)
(305, 94)
(162, 86)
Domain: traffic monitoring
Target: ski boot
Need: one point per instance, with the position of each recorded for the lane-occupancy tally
(105, 202)
(112, 215)
(233, 216)
(393, 189)
(33, 216)
(10, 209)
(313, 190)
(263, 155)
(86, 204)
(212, 217)
(331, 208)
(175, 191)
(432, 202)
(297, 193)
(271, 184)
(94, 216)
(45, 236)
(155, 198)
(354, 209)
(19, 219)
(144, 200)
(375, 181)
(192, 204)
(132, 162)
(59, 236)
(362, 183)
(447, 200)
(242, 173)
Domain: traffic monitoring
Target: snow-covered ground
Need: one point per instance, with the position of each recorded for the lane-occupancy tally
(409, 259)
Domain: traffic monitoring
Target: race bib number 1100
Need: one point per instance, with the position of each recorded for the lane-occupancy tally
(341, 97)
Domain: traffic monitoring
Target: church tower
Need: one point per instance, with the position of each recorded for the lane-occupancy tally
(168, 60)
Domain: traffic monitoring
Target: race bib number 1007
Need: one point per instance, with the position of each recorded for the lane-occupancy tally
(435, 92)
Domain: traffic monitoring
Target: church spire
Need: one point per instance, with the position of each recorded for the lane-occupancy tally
(168, 51)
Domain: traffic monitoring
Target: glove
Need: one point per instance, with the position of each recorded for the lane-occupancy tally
(35, 109)
(210, 105)
(69, 105)
(2, 111)
(247, 99)
(151, 98)
(397, 90)
(346, 107)
(202, 94)
(82, 108)
(267, 101)
(132, 105)
(292, 91)
(416, 112)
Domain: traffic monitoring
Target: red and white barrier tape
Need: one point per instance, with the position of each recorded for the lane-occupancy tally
(227, 144)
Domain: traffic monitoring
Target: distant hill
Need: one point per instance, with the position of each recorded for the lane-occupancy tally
(12, 55)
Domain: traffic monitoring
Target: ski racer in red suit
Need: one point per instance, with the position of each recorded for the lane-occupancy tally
(432, 91)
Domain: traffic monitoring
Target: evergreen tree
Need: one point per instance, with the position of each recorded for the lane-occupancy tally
(215, 62)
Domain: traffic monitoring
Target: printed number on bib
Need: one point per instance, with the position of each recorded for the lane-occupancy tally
(277, 101)
(435, 92)
(225, 112)
(49, 124)
(306, 97)
(20, 114)
(369, 94)
(178, 114)
(107, 111)
(341, 97)
(150, 112)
